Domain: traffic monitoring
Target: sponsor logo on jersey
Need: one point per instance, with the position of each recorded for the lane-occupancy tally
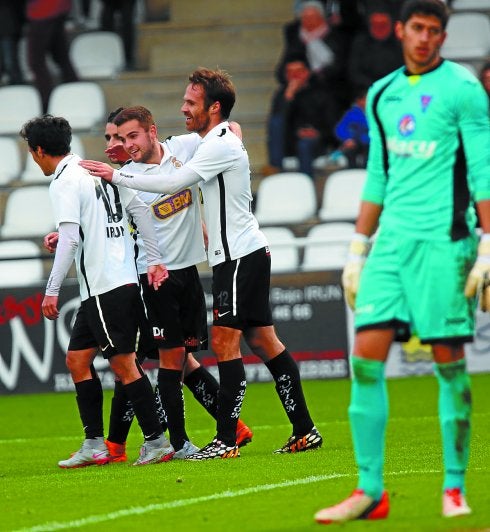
(171, 205)
(406, 125)
(418, 149)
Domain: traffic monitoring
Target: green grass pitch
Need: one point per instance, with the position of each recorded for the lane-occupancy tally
(258, 491)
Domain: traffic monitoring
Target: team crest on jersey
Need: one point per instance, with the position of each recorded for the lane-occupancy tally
(176, 162)
(171, 205)
(425, 100)
(406, 125)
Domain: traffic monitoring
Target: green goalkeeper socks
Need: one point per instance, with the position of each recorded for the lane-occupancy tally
(454, 418)
(368, 413)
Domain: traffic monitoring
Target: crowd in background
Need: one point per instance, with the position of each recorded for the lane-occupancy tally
(332, 52)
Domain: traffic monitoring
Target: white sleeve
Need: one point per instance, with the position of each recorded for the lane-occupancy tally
(69, 236)
(167, 184)
(140, 212)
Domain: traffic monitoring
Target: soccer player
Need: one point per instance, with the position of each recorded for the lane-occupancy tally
(197, 378)
(91, 220)
(428, 167)
(178, 310)
(240, 258)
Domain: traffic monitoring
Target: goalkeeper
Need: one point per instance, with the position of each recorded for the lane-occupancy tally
(428, 168)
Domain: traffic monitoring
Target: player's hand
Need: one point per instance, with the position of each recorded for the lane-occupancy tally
(359, 248)
(117, 154)
(157, 275)
(49, 307)
(50, 241)
(478, 282)
(102, 170)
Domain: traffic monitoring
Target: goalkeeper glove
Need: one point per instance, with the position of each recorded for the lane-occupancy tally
(358, 251)
(478, 281)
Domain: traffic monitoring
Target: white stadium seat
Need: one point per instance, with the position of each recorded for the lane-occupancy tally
(18, 104)
(82, 103)
(285, 198)
(284, 249)
(468, 37)
(28, 213)
(25, 266)
(97, 54)
(341, 195)
(326, 246)
(12, 160)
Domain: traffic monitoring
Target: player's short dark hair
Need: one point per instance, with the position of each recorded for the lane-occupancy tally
(217, 86)
(51, 133)
(139, 113)
(113, 114)
(436, 8)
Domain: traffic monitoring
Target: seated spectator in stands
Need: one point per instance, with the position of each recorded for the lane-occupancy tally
(352, 132)
(323, 47)
(375, 52)
(300, 121)
(485, 77)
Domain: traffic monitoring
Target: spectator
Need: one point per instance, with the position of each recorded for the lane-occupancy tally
(125, 25)
(46, 35)
(485, 77)
(352, 132)
(301, 119)
(375, 52)
(323, 47)
(11, 22)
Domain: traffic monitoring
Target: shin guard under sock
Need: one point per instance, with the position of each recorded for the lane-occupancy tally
(170, 387)
(204, 388)
(230, 398)
(122, 415)
(368, 414)
(140, 393)
(89, 400)
(454, 419)
(285, 372)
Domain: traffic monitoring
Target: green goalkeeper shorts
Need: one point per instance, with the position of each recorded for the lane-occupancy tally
(417, 286)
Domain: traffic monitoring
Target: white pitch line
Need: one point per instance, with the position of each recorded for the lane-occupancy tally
(229, 494)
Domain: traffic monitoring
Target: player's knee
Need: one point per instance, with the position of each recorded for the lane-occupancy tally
(367, 371)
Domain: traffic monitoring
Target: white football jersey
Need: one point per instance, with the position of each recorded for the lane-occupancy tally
(176, 217)
(105, 255)
(222, 162)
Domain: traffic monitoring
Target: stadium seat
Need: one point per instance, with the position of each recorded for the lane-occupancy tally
(25, 266)
(97, 54)
(82, 103)
(470, 5)
(18, 104)
(12, 160)
(28, 213)
(341, 195)
(284, 249)
(285, 198)
(468, 37)
(327, 245)
(33, 174)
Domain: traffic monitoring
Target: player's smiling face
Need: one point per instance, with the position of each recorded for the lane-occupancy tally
(197, 116)
(422, 37)
(137, 142)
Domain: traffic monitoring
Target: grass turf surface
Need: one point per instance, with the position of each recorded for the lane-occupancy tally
(258, 491)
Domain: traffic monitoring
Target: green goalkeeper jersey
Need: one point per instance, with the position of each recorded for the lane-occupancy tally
(429, 155)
